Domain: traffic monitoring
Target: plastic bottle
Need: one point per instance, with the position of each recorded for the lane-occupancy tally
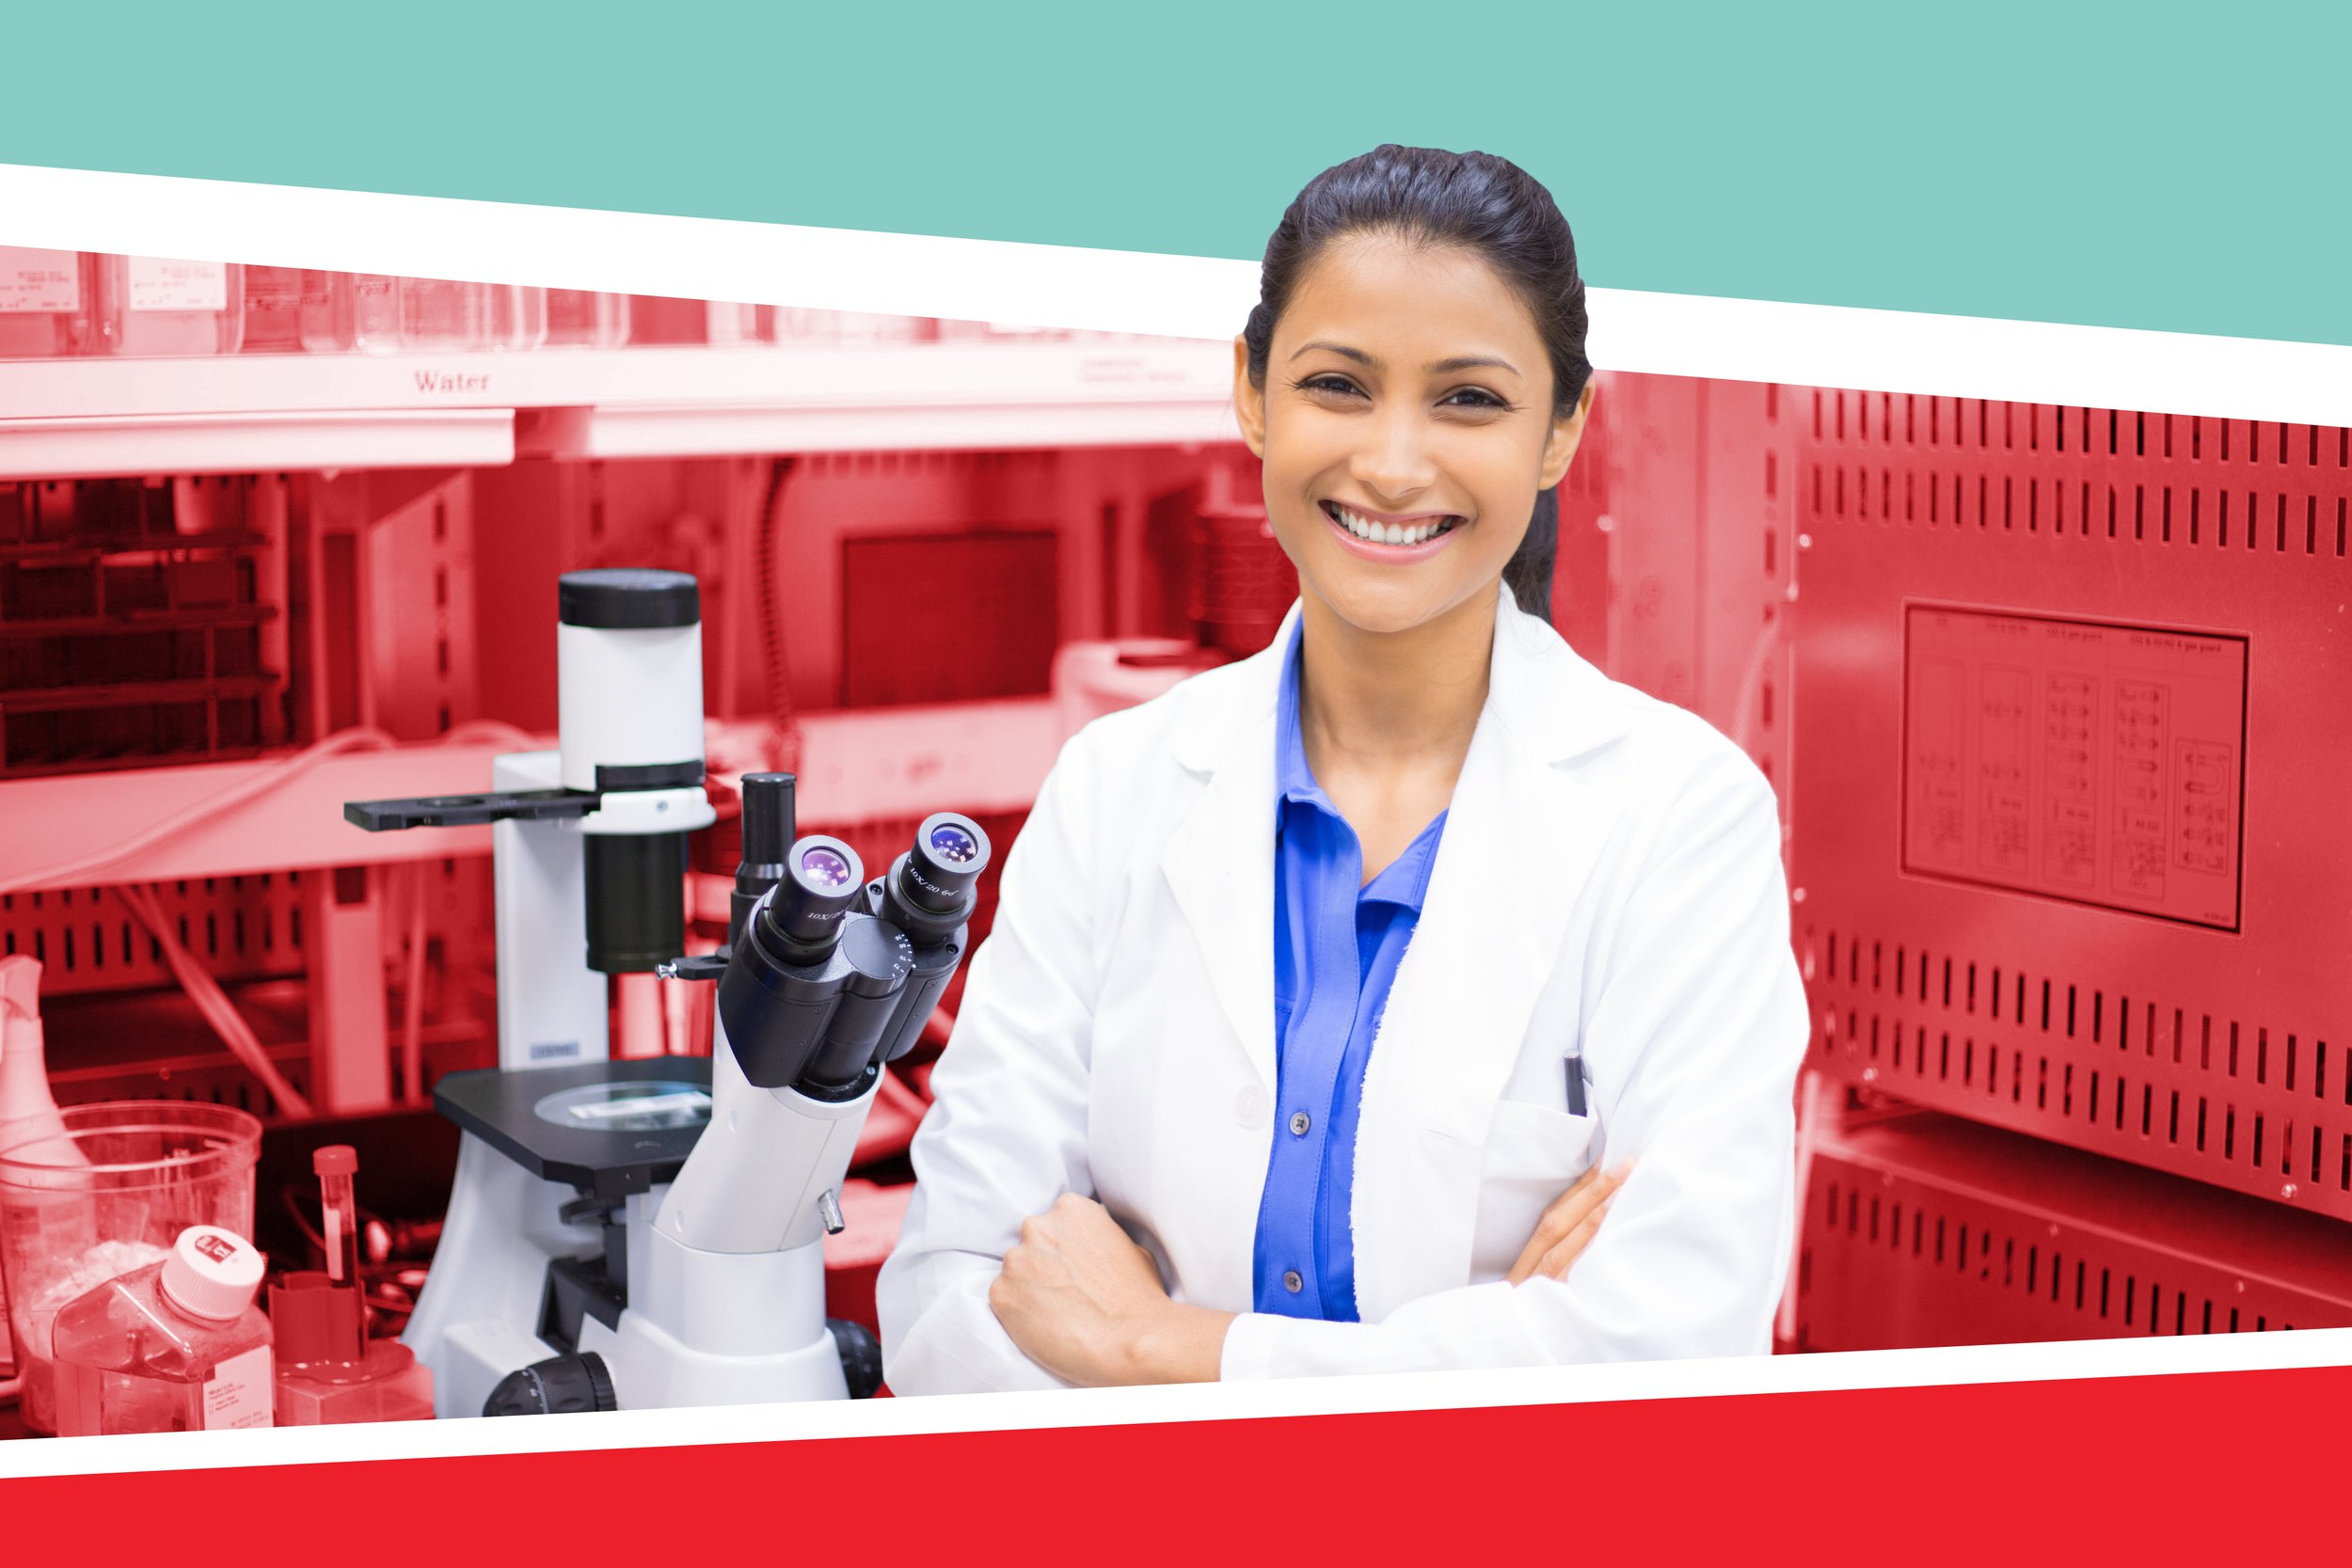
(27, 1110)
(154, 305)
(177, 1346)
(274, 298)
(45, 301)
(659, 320)
(578, 319)
(519, 317)
(440, 315)
(729, 324)
(378, 313)
(354, 310)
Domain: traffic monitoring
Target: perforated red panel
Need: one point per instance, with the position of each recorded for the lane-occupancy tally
(2050, 950)
(1929, 1231)
(87, 940)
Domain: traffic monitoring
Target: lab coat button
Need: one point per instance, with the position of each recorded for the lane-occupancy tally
(1299, 1123)
(1293, 1283)
(1249, 1107)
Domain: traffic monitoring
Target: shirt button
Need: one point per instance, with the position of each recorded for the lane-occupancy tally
(1299, 1123)
(1293, 1283)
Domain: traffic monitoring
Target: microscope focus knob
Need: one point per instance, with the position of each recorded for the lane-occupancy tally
(556, 1387)
(860, 1355)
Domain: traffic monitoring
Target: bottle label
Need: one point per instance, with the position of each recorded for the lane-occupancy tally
(238, 1394)
(36, 282)
(161, 285)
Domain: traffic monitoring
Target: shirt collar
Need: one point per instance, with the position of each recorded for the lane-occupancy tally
(1294, 779)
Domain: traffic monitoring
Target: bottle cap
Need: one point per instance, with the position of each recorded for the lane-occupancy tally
(335, 1160)
(211, 1273)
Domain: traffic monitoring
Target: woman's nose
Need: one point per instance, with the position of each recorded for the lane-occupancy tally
(1394, 461)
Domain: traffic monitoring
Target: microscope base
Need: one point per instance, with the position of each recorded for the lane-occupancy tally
(719, 1328)
(475, 1322)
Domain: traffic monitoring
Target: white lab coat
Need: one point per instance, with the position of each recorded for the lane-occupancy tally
(1610, 877)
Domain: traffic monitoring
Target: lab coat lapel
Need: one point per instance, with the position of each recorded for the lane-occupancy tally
(1522, 837)
(1218, 860)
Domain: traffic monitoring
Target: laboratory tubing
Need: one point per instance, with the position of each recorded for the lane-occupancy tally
(109, 1196)
(149, 304)
(174, 1346)
(46, 297)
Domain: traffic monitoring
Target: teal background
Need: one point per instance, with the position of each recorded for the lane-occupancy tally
(2152, 165)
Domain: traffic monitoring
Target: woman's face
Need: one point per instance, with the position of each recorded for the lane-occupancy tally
(1405, 426)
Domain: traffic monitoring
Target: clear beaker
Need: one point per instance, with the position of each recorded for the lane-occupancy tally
(109, 1197)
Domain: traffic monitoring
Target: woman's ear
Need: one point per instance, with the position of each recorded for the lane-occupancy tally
(1249, 402)
(1566, 433)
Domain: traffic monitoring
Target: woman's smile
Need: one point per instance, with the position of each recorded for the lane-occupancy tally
(1388, 539)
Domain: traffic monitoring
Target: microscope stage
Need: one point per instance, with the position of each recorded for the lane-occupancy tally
(607, 1128)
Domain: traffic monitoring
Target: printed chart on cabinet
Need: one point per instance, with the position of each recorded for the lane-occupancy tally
(2081, 760)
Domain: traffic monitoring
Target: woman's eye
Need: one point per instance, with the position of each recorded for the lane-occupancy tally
(1480, 399)
(1327, 383)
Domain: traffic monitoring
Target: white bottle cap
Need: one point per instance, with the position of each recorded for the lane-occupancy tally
(211, 1273)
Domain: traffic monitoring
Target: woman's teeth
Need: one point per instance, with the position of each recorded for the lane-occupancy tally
(1388, 533)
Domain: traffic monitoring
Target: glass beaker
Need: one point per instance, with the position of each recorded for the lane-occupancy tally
(109, 1197)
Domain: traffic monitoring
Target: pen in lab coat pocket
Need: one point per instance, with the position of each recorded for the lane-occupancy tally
(1575, 1065)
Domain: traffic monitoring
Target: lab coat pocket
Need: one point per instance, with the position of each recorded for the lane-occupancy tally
(1533, 1154)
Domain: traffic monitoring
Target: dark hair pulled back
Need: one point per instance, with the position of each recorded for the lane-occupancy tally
(1481, 203)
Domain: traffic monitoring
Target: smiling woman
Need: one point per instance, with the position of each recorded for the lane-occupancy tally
(1333, 994)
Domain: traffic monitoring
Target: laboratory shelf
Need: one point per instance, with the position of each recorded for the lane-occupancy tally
(190, 689)
(143, 623)
(92, 417)
(855, 766)
(293, 821)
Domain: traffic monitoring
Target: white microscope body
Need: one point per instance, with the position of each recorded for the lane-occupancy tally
(649, 1233)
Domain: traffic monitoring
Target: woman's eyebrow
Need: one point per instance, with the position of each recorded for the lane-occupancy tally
(1344, 351)
(1469, 362)
(1441, 367)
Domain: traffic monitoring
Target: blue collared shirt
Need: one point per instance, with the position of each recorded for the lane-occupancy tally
(1336, 947)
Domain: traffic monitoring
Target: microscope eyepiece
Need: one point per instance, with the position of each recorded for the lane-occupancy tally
(951, 844)
(821, 879)
(950, 852)
(820, 867)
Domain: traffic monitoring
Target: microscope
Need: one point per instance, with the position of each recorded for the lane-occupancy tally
(649, 1233)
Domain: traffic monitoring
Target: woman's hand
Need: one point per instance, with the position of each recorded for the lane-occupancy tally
(1085, 1302)
(1569, 1225)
